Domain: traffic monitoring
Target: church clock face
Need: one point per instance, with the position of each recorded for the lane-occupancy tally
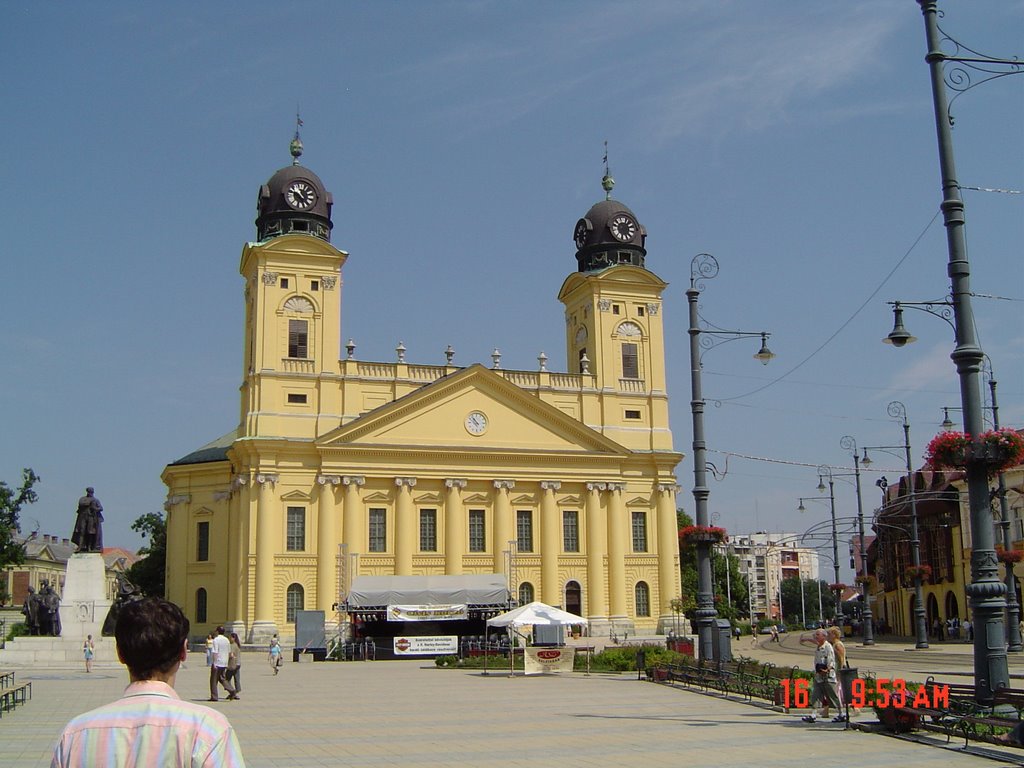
(580, 233)
(476, 423)
(623, 228)
(300, 195)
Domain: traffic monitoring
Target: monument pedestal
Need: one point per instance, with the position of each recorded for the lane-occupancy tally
(83, 607)
(85, 603)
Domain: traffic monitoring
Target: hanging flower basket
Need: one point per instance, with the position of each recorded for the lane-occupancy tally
(868, 580)
(997, 449)
(1009, 556)
(923, 572)
(694, 534)
(837, 587)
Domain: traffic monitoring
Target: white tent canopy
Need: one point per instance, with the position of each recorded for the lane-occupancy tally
(535, 614)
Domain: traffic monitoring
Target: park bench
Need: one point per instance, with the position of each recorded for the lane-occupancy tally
(13, 694)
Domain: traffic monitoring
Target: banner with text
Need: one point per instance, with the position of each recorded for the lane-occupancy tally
(456, 612)
(429, 645)
(539, 661)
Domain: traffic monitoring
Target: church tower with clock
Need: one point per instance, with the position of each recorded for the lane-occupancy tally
(343, 474)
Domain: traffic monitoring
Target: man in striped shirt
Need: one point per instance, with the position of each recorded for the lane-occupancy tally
(150, 725)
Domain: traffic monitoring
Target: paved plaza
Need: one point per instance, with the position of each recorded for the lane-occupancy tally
(409, 713)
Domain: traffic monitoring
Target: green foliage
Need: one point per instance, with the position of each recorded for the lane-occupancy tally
(148, 573)
(11, 502)
(17, 630)
(791, 606)
(623, 658)
(734, 586)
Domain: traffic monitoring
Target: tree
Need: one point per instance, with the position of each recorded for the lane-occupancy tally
(791, 605)
(148, 573)
(735, 585)
(12, 551)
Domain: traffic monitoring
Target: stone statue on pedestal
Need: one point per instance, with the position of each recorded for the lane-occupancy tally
(88, 533)
(49, 610)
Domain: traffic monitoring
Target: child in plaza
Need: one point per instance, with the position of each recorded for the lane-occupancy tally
(88, 651)
(274, 656)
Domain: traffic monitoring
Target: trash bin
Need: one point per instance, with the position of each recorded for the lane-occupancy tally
(721, 640)
(846, 677)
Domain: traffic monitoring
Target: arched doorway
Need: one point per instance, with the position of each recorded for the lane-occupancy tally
(952, 606)
(933, 612)
(574, 598)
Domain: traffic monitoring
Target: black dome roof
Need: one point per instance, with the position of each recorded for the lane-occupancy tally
(608, 234)
(277, 216)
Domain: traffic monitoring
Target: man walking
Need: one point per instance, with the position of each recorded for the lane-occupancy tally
(219, 668)
(150, 725)
(824, 687)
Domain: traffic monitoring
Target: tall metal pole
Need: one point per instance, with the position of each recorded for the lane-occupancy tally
(867, 630)
(835, 550)
(986, 593)
(899, 411)
(1013, 638)
(705, 613)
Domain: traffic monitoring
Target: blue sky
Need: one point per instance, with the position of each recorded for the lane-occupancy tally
(462, 141)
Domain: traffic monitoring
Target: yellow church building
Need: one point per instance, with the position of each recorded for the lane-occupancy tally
(562, 483)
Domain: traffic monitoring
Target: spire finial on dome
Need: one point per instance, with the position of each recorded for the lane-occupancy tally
(295, 147)
(607, 183)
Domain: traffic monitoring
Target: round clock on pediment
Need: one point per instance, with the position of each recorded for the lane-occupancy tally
(476, 423)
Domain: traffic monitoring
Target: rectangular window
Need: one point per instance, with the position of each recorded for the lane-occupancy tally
(202, 542)
(630, 361)
(378, 530)
(296, 534)
(524, 530)
(297, 399)
(633, 415)
(428, 530)
(570, 531)
(314, 285)
(477, 532)
(298, 338)
(615, 309)
(639, 311)
(284, 282)
(639, 531)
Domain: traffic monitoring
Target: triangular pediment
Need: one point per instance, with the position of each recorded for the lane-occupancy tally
(524, 498)
(376, 498)
(638, 501)
(435, 417)
(296, 496)
(427, 498)
(570, 500)
(476, 498)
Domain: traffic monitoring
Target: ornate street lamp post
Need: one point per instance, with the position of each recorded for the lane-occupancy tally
(898, 410)
(848, 443)
(823, 472)
(986, 592)
(703, 267)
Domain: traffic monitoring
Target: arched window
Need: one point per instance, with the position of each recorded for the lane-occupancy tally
(525, 593)
(643, 599)
(295, 601)
(201, 605)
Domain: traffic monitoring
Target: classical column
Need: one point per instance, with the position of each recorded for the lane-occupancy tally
(454, 527)
(551, 590)
(668, 553)
(263, 625)
(238, 551)
(503, 531)
(354, 516)
(616, 553)
(326, 545)
(405, 526)
(597, 546)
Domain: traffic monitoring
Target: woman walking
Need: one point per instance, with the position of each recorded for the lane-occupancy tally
(234, 673)
(275, 655)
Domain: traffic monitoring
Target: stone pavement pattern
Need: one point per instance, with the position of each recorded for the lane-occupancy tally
(408, 713)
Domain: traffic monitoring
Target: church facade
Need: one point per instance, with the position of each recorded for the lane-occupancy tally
(563, 482)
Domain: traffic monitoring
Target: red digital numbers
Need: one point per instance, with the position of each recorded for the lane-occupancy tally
(881, 692)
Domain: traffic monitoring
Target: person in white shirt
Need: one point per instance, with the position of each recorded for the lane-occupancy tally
(219, 668)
